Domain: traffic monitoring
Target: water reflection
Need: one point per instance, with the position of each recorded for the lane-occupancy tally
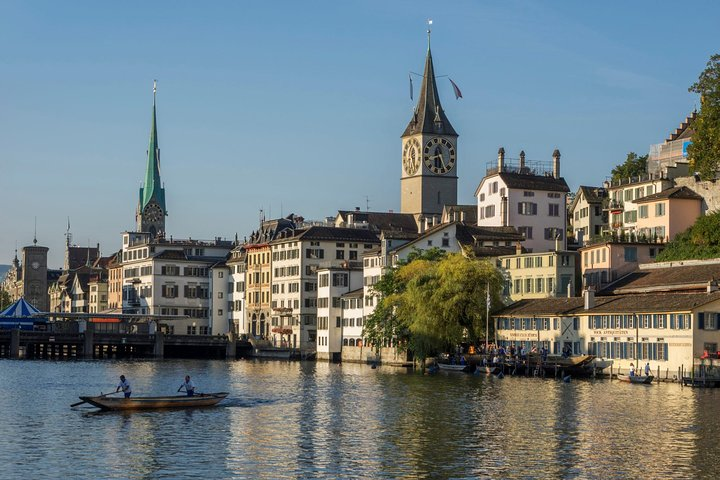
(314, 420)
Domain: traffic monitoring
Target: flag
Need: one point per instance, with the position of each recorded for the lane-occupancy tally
(411, 87)
(488, 296)
(456, 90)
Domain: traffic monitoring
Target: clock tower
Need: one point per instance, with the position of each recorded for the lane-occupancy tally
(34, 276)
(429, 153)
(151, 212)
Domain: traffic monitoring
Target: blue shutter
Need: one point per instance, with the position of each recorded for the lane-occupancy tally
(666, 352)
(655, 320)
(672, 321)
(701, 320)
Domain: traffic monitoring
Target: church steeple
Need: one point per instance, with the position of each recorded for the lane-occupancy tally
(429, 116)
(151, 203)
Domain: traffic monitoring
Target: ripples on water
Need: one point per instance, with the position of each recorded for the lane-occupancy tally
(314, 420)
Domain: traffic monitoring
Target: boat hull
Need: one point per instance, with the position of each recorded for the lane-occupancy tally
(640, 379)
(148, 403)
(453, 368)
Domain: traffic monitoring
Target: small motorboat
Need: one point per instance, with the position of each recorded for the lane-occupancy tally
(643, 379)
(146, 403)
(451, 367)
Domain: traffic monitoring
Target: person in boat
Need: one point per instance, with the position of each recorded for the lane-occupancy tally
(632, 370)
(188, 385)
(647, 369)
(463, 361)
(125, 386)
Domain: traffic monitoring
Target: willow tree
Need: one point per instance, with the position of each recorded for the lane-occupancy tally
(432, 303)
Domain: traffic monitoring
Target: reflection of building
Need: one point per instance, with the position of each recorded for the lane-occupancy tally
(540, 275)
(529, 196)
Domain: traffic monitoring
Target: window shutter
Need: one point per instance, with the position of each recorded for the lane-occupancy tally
(701, 320)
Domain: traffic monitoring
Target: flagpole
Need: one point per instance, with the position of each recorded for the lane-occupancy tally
(487, 318)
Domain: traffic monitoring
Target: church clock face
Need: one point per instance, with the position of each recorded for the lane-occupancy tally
(439, 155)
(153, 213)
(411, 156)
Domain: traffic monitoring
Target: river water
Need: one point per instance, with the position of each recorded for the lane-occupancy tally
(315, 420)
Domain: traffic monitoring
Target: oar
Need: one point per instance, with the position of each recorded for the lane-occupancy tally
(85, 401)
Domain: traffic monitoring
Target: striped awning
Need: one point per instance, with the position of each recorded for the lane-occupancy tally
(19, 309)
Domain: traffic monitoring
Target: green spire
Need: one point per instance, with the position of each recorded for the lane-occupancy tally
(152, 187)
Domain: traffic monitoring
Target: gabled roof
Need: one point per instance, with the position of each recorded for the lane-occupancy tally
(428, 112)
(338, 234)
(592, 195)
(675, 193)
(469, 213)
(685, 129)
(667, 279)
(534, 182)
(629, 304)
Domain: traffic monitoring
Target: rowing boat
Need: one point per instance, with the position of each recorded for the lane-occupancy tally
(144, 403)
(453, 367)
(647, 379)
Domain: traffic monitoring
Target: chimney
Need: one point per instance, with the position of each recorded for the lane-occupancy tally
(462, 215)
(501, 159)
(556, 163)
(589, 296)
(522, 161)
(712, 286)
(504, 211)
(421, 224)
(518, 248)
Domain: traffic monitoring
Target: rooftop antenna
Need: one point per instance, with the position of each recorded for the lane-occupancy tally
(429, 22)
(35, 234)
(367, 203)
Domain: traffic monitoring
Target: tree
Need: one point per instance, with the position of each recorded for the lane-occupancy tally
(704, 151)
(702, 240)
(5, 300)
(633, 166)
(433, 302)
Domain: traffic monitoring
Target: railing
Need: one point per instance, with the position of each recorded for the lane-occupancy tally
(622, 237)
(646, 177)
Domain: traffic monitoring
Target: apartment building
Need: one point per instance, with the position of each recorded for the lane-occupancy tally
(540, 275)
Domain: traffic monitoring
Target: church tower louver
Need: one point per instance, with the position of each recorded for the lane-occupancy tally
(151, 212)
(429, 153)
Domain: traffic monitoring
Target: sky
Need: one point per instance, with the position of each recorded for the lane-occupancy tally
(298, 107)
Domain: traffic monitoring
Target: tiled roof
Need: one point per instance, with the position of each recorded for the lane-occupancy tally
(677, 277)
(382, 221)
(627, 304)
(534, 182)
(339, 234)
(675, 192)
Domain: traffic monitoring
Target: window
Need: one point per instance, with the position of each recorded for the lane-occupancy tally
(553, 234)
(659, 209)
(643, 211)
(527, 208)
(631, 217)
(528, 285)
(482, 197)
(631, 254)
(554, 210)
(494, 187)
(528, 194)
(489, 211)
(526, 232)
(340, 254)
(539, 285)
(445, 242)
(340, 280)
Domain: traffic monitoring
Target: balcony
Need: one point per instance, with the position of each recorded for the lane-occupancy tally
(613, 206)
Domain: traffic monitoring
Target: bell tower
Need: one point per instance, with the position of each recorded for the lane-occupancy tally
(151, 212)
(429, 153)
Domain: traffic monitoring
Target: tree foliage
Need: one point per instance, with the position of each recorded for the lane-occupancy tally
(633, 166)
(432, 302)
(4, 299)
(702, 240)
(704, 151)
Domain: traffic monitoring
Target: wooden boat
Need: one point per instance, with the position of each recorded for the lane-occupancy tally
(453, 367)
(646, 379)
(144, 403)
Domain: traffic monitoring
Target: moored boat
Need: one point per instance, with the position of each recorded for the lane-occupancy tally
(646, 379)
(145, 403)
(453, 367)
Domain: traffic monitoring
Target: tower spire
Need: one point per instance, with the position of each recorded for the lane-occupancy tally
(429, 116)
(152, 191)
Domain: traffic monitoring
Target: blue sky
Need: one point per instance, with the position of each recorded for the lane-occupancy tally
(298, 107)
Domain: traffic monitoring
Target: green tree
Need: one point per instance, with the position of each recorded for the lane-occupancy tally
(433, 302)
(704, 151)
(633, 166)
(4, 299)
(702, 240)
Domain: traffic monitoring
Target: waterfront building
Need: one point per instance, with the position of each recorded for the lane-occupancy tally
(29, 278)
(663, 215)
(608, 259)
(587, 217)
(220, 285)
(236, 295)
(530, 196)
(297, 255)
(171, 277)
(352, 324)
(540, 274)
(429, 154)
(258, 252)
(115, 282)
(668, 330)
(332, 283)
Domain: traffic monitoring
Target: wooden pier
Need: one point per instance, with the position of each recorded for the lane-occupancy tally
(88, 345)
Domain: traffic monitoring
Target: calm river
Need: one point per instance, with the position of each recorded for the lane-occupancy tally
(314, 420)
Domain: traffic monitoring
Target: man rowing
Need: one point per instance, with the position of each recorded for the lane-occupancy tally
(125, 386)
(188, 385)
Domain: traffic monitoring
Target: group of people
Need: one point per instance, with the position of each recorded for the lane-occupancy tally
(633, 372)
(125, 387)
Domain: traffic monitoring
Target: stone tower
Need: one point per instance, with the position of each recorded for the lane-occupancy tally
(151, 212)
(34, 276)
(429, 153)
